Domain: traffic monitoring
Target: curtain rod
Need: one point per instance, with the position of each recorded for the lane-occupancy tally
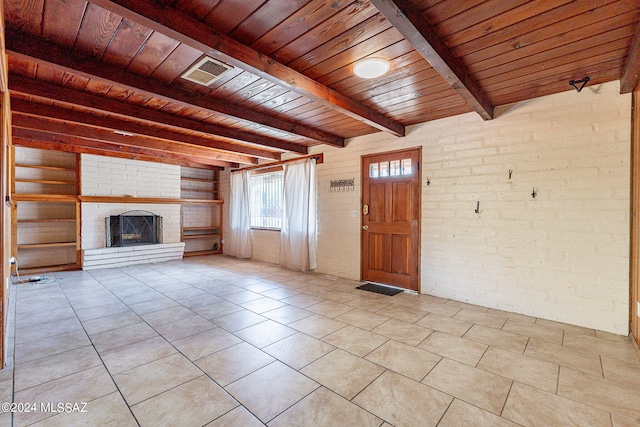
(319, 159)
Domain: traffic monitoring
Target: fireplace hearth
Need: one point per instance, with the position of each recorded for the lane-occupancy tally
(133, 228)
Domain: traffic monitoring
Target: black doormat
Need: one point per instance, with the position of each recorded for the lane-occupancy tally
(379, 289)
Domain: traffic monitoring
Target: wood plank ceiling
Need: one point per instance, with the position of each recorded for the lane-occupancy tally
(104, 76)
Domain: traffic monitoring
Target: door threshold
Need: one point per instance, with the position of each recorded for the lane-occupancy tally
(409, 291)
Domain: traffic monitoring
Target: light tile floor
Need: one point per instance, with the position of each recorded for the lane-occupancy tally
(220, 342)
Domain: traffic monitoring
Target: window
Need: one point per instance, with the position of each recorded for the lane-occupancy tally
(392, 168)
(266, 200)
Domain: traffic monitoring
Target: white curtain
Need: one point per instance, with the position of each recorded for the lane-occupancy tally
(239, 242)
(298, 237)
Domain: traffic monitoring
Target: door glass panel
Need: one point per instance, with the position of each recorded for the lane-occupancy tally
(384, 169)
(406, 167)
(394, 168)
(373, 170)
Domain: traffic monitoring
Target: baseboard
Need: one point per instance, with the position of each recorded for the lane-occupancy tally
(635, 345)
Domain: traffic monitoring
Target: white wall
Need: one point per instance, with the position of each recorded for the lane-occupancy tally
(561, 256)
(110, 176)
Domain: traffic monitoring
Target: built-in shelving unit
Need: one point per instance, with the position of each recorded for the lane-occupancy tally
(46, 210)
(201, 221)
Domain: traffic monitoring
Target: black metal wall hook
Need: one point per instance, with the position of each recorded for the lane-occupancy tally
(534, 193)
(477, 207)
(583, 80)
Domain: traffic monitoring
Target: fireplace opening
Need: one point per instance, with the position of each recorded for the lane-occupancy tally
(133, 228)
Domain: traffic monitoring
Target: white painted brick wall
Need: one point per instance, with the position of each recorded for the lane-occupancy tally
(36, 156)
(34, 257)
(143, 254)
(561, 256)
(107, 176)
(266, 245)
(110, 176)
(200, 215)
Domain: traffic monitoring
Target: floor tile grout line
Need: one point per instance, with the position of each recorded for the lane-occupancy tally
(13, 310)
(164, 391)
(446, 410)
(61, 290)
(100, 356)
(206, 374)
(292, 405)
(528, 339)
(312, 379)
(506, 399)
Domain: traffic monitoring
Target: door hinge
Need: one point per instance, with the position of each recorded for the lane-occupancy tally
(418, 166)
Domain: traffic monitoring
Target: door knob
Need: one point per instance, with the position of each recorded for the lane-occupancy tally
(365, 227)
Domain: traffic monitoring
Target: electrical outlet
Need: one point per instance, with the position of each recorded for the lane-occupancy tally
(354, 214)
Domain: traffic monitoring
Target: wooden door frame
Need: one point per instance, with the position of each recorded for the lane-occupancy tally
(419, 202)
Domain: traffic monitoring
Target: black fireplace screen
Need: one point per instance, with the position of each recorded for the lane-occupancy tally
(133, 228)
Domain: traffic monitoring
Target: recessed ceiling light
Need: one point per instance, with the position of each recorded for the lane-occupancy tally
(371, 68)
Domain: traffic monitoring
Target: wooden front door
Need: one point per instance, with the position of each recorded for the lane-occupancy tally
(391, 218)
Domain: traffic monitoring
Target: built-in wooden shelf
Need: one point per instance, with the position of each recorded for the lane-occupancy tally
(194, 190)
(46, 245)
(207, 181)
(73, 220)
(41, 204)
(144, 200)
(198, 253)
(200, 236)
(38, 269)
(201, 201)
(126, 199)
(45, 181)
(51, 168)
(203, 186)
(213, 227)
(26, 197)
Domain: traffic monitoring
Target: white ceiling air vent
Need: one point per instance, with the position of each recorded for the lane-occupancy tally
(205, 71)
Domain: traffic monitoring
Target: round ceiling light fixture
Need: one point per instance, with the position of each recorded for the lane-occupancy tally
(371, 68)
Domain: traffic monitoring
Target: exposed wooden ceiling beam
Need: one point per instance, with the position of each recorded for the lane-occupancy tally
(20, 120)
(113, 124)
(121, 109)
(188, 30)
(631, 73)
(408, 20)
(42, 52)
(72, 144)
